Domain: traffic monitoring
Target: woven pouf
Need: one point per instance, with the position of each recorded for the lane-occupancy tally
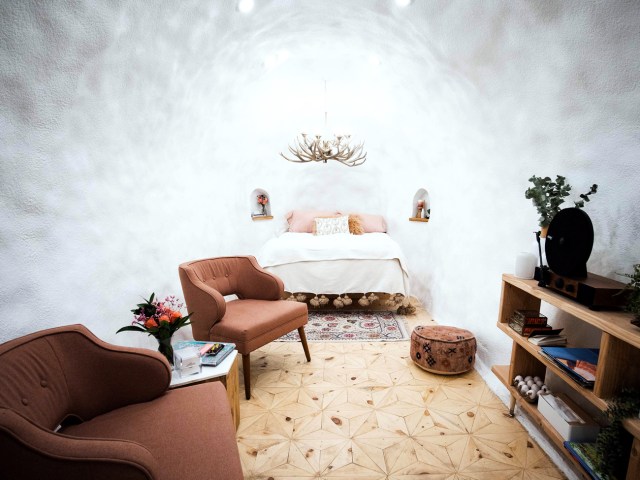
(444, 350)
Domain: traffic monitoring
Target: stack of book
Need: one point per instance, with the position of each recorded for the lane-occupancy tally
(579, 363)
(211, 353)
(526, 322)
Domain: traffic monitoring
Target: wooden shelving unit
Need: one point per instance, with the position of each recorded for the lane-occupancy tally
(416, 219)
(262, 217)
(618, 362)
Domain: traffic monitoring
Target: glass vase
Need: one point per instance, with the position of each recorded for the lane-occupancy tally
(165, 348)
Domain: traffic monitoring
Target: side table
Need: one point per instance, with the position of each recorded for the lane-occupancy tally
(226, 372)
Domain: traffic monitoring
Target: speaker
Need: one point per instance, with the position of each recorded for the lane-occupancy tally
(569, 243)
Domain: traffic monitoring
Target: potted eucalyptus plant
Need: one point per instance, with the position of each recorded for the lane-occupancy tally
(548, 196)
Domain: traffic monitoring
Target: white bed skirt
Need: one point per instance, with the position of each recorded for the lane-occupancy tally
(343, 276)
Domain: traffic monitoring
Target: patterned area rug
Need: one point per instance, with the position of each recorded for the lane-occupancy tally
(351, 327)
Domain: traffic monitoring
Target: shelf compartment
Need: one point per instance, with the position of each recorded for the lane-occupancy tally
(533, 352)
(617, 324)
(622, 366)
(531, 409)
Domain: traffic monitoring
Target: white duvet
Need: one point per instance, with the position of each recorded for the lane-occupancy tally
(340, 263)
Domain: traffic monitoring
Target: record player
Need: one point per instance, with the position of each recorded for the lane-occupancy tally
(568, 247)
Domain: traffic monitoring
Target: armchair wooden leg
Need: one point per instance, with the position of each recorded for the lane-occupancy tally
(246, 371)
(303, 339)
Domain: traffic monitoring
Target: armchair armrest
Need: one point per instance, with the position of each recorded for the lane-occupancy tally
(204, 303)
(33, 452)
(102, 377)
(257, 283)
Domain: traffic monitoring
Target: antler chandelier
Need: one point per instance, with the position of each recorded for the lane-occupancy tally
(316, 148)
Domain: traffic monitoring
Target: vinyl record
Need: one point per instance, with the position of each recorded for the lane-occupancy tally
(569, 243)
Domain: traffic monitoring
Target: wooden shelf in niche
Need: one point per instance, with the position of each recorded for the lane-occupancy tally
(420, 213)
(259, 211)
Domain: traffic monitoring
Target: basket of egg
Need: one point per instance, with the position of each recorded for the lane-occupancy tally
(530, 388)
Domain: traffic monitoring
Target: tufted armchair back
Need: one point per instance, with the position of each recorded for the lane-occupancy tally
(65, 372)
(206, 282)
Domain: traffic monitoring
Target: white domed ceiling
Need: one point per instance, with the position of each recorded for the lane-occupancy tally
(133, 134)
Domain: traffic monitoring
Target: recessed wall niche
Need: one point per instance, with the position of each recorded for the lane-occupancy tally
(421, 206)
(260, 205)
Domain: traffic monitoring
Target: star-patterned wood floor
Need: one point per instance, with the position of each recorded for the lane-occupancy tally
(366, 411)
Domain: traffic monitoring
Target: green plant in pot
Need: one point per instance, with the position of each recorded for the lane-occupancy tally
(633, 304)
(549, 196)
(613, 443)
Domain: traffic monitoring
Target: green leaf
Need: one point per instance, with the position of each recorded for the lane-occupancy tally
(131, 328)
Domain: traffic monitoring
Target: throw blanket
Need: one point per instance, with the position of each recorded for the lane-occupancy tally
(306, 247)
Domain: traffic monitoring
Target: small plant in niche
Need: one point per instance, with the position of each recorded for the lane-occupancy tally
(548, 196)
(263, 200)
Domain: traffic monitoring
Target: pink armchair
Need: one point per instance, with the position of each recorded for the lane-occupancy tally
(256, 318)
(75, 407)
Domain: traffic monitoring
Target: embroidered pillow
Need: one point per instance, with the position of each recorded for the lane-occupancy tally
(331, 226)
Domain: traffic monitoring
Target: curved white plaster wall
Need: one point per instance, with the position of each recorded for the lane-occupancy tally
(133, 132)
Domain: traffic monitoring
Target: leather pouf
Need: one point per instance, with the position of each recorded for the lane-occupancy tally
(444, 350)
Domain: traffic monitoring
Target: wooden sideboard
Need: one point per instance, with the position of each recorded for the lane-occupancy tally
(618, 362)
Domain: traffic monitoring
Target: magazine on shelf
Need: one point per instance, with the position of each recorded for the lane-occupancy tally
(579, 363)
(587, 456)
(208, 360)
(548, 340)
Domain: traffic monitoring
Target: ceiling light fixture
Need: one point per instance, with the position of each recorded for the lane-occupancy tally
(245, 6)
(403, 3)
(317, 148)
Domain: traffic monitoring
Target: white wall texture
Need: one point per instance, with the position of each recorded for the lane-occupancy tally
(133, 133)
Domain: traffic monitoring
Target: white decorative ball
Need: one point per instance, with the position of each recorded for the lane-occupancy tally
(524, 389)
(537, 379)
(527, 378)
(530, 382)
(539, 383)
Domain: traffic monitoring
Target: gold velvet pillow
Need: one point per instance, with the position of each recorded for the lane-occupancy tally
(355, 225)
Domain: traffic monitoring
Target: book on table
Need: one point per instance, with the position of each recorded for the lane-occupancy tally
(208, 359)
(579, 363)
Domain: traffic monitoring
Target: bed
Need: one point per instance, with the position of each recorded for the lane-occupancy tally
(329, 263)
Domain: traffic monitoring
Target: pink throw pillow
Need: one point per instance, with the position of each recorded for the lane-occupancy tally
(372, 223)
(302, 221)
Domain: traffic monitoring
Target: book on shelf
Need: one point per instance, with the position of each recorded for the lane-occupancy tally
(208, 360)
(541, 339)
(529, 317)
(579, 363)
(587, 457)
(529, 322)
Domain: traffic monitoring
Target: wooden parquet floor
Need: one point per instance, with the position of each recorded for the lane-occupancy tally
(365, 411)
